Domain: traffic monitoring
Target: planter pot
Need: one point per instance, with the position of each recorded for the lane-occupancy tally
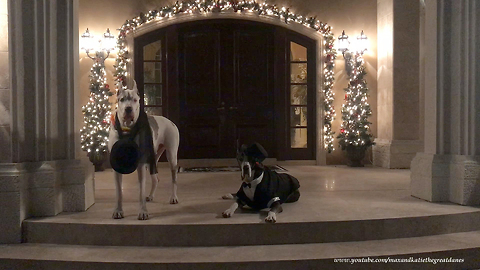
(98, 159)
(355, 156)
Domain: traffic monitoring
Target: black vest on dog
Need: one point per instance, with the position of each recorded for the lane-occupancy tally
(273, 185)
(142, 129)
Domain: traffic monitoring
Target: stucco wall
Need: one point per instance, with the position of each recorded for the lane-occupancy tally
(353, 16)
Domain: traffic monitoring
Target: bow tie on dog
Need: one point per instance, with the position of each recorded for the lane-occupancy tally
(247, 185)
(261, 187)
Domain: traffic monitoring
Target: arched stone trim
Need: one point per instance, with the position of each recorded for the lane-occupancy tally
(253, 11)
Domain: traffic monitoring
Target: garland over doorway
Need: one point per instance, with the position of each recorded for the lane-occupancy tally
(261, 9)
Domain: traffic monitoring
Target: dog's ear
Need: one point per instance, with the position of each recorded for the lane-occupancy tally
(240, 152)
(243, 148)
(119, 93)
(120, 88)
(135, 87)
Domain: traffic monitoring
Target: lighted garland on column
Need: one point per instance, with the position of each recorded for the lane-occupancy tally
(328, 95)
(355, 130)
(261, 9)
(94, 134)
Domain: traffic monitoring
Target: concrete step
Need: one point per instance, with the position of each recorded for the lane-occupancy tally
(464, 247)
(108, 232)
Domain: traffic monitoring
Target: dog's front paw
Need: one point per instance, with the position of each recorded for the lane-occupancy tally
(173, 200)
(228, 213)
(228, 196)
(117, 214)
(149, 198)
(271, 217)
(143, 215)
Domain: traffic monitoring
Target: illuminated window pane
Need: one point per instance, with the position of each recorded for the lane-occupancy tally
(298, 73)
(298, 138)
(153, 94)
(152, 72)
(297, 52)
(153, 51)
(298, 116)
(298, 95)
(154, 110)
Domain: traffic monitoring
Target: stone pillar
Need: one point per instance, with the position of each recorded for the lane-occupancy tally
(448, 169)
(39, 175)
(398, 137)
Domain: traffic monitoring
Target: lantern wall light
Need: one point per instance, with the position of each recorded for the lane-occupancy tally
(343, 43)
(362, 43)
(105, 44)
(360, 47)
(353, 55)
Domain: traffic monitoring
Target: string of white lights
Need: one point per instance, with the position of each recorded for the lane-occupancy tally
(261, 9)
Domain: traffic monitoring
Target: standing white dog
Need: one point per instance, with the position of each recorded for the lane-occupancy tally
(165, 136)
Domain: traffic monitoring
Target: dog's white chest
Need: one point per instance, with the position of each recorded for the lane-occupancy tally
(250, 191)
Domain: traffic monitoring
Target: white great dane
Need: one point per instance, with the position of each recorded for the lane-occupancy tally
(165, 137)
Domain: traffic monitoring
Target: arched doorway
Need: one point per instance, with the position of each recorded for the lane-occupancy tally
(227, 80)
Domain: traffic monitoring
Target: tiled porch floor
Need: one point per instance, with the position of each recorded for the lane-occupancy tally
(328, 193)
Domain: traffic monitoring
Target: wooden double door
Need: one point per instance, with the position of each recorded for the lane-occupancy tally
(225, 82)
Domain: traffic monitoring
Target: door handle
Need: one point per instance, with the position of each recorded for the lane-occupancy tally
(233, 108)
(220, 108)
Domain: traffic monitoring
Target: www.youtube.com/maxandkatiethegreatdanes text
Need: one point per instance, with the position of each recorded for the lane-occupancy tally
(399, 260)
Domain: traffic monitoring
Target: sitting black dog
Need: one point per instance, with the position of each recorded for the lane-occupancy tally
(261, 187)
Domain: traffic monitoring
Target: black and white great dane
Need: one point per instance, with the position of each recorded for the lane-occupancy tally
(261, 188)
(165, 137)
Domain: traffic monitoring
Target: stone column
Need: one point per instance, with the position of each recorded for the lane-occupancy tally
(448, 169)
(39, 175)
(398, 137)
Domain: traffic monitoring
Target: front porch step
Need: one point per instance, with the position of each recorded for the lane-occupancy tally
(464, 246)
(108, 232)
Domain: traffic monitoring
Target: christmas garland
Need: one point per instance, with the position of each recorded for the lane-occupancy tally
(262, 9)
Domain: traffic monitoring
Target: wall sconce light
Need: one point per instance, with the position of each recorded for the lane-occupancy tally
(343, 43)
(359, 47)
(109, 43)
(362, 43)
(89, 43)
